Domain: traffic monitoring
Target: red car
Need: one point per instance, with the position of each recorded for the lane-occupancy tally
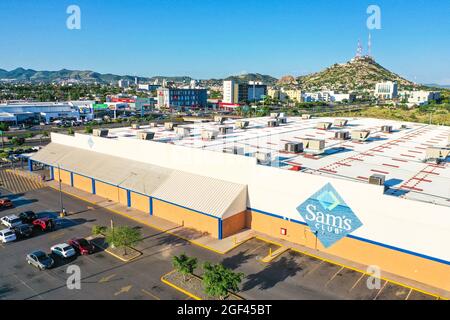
(44, 224)
(82, 246)
(5, 203)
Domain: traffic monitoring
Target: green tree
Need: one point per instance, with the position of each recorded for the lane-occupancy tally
(184, 265)
(18, 141)
(218, 281)
(4, 126)
(71, 132)
(123, 237)
(88, 130)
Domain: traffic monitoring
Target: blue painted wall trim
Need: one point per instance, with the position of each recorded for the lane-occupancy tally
(30, 165)
(71, 179)
(420, 255)
(94, 191)
(129, 198)
(52, 173)
(220, 232)
(151, 205)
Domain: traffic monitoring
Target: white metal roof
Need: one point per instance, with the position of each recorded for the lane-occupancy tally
(207, 195)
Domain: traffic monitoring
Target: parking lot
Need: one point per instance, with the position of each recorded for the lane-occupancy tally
(290, 276)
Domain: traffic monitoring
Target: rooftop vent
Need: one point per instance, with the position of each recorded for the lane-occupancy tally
(264, 158)
(340, 122)
(282, 120)
(306, 116)
(293, 147)
(100, 132)
(360, 135)
(386, 129)
(135, 126)
(272, 123)
(225, 130)
(153, 124)
(144, 135)
(209, 135)
(242, 124)
(169, 126)
(342, 135)
(234, 150)
(438, 153)
(377, 179)
(314, 144)
(182, 131)
(219, 119)
(324, 125)
(274, 115)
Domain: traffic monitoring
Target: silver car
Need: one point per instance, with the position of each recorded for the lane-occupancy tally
(40, 260)
(63, 250)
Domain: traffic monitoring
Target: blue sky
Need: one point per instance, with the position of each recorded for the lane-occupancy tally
(217, 38)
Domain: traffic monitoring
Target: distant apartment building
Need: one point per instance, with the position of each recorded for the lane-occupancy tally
(419, 97)
(386, 90)
(180, 99)
(148, 87)
(328, 96)
(234, 92)
(293, 94)
(123, 83)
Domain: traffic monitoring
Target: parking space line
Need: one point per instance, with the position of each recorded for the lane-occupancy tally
(151, 294)
(334, 276)
(409, 294)
(314, 269)
(356, 283)
(29, 287)
(256, 249)
(379, 292)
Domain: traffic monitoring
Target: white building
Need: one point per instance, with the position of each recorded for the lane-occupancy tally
(124, 83)
(420, 97)
(230, 92)
(386, 90)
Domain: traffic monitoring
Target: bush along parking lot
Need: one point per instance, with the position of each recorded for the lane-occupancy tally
(216, 283)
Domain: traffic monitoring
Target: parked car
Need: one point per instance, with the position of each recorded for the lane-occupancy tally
(28, 216)
(82, 246)
(40, 260)
(7, 235)
(63, 250)
(23, 231)
(11, 221)
(5, 203)
(45, 224)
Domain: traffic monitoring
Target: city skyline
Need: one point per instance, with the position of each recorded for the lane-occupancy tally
(198, 39)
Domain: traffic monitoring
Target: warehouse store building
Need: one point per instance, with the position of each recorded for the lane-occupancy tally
(319, 196)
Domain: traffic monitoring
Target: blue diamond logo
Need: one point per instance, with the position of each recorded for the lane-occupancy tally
(328, 216)
(91, 142)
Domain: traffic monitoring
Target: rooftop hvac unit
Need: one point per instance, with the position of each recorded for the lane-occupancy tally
(272, 123)
(324, 125)
(153, 124)
(340, 122)
(144, 135)
(225, 130)
(242, 124)
(135, 126)
(293, 147)
(360, 135)
(282, 115)
(313, 144)
(182, 131)
(386, 129)
(404, 127)
(100, 132)
(219, 119)
(274, 115)
(282, 120)
(209, 134)
(377, 179)
(169, 126)
(342, 135)
(263, 157)
(438, 153)
(306, 116)
(234, 150)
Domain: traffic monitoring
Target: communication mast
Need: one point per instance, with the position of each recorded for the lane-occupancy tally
(369, 48)
(359, 51)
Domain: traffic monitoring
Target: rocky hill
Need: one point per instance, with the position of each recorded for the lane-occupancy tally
(357, 74)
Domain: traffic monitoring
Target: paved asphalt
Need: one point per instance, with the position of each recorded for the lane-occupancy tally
(291, 276)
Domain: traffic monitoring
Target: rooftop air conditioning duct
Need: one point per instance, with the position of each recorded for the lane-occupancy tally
(169, 126)
(293, 147)
(144, 135)
(438, 153)
(386, 129)
(274, 115)
(306, 116)
(153, 124)
(234, 150)
(209, 135)
(219, 119)
(272, 123)
(225, 130)
(264, 158)
(360, 135)
(182, 131)
(100, 132)
(135, 126)
(313, 144)
(282, 120)
(377, 179)
(324, 125)
(342, 135)
(242, 124)
(340, 122)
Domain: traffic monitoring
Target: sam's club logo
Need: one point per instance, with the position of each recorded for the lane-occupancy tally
(328, 216)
